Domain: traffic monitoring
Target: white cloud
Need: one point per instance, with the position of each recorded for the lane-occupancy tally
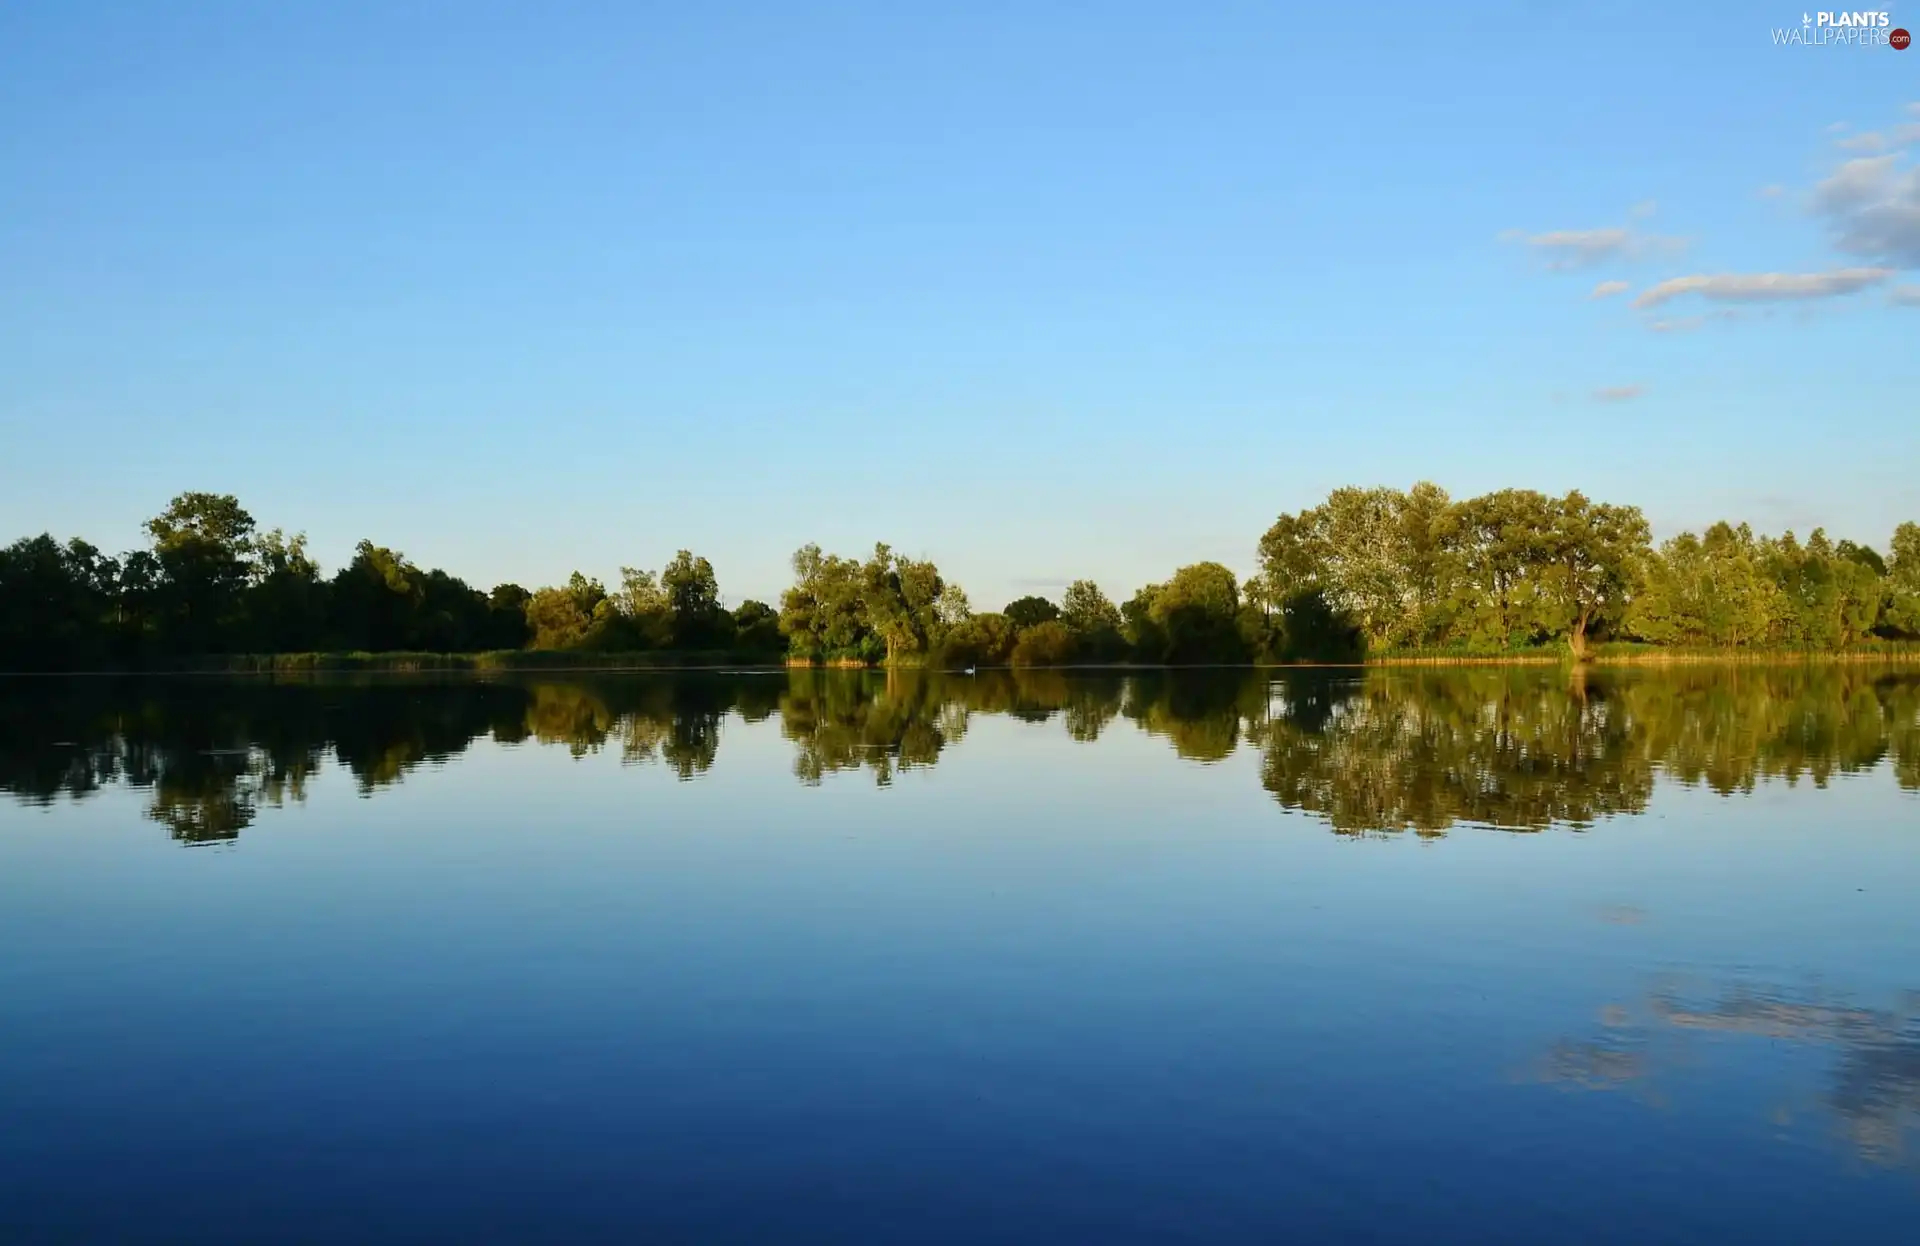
(1872, 206)
(1583, 248)
(1838, 127)
(1607, 289)
(1772, 191)
(1643, 209)
(1618, 393)
(1904, 296)
(1576, 248)
(1855, 183)
(1890, 139)
(1762, 287)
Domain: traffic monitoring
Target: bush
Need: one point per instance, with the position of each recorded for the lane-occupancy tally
(1046, 644)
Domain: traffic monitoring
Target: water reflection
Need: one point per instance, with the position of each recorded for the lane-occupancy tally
(1367, 753)
(1870, 1095)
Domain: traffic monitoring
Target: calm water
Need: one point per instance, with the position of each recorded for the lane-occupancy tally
(1454, 956)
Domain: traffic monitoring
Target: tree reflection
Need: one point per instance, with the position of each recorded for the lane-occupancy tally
(1365, 752)
(1427, 750)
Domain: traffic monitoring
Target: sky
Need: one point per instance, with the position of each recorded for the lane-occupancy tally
(1040, 292)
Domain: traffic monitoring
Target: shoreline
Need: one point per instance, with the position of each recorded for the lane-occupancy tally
(540, 662)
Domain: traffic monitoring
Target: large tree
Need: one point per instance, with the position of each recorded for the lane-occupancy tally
(204, 544)
(1903, 580)
(1592, 558)
(693, 601)
(1031, 611)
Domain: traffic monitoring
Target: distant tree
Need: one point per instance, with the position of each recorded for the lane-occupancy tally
(1592, 559)
(453, 617)
(1084, 608)
(1047, 643)
(588, 593)
(54, 604)
(821, 614)
(1141, 625)
(1095, 620)
(204, 546)
(693, 601)
(980, 640)
(1198, 612)
(556, 620)
(1865, 555)
(1714, 590)
(286, 606)
(645, 609)
(376, 600)
(507, 617)
(1031, 611)
(756, 628)
(1497, 542)
(1902, 613)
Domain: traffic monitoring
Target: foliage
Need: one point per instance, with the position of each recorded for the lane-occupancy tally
(1368, 571)
(1049, 643)
(1516, 569)
(1383, 753)
(1031, 611)
(888, 607)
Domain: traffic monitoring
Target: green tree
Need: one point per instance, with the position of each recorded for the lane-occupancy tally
(1831, 601)
(507, 617)
(376, 600)
(1085, 609)
(1141, 625)
(1592, 558)
(821, 614)
(645, 609)
(756, 628)
(1714, 590)
(1902, 613)
(55, 601)
(693, 601)
(979, 640)
(901, 599)
(556, 620)
(1096, 620)
(1030, 611)
(1377, 557)
(1198, 615)
(1047, 643)
(286, 606)
(203, 543)
(1497, 544)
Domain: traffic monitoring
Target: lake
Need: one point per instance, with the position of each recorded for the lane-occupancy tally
(1474, 955)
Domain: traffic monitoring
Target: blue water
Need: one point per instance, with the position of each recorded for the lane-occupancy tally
(669, 959)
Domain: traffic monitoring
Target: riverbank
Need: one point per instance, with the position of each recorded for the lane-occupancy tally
(405, 663)
(581, 661)
(1626, 654)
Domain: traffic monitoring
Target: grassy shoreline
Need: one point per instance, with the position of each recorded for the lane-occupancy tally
(535, 660)
(1628, 654)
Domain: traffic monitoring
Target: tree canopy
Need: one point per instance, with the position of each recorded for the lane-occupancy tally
(1367, 571)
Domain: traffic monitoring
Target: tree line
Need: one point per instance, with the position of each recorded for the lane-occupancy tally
(210, 582)
(1380, 570)
(1366, 572)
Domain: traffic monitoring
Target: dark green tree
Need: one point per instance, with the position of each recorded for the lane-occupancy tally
(1030, 611)
(204, 545)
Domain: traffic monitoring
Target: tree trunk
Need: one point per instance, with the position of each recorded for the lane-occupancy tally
(1577, 638)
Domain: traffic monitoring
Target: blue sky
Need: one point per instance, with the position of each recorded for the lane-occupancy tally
(1039, 291)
